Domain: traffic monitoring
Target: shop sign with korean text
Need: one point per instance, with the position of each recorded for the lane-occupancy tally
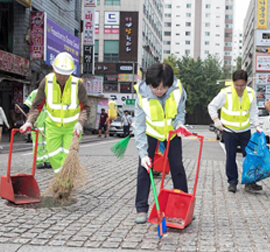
(262, 63)
(88, 59)
(262, 14)
(89, 26)
(128, 36)
(14, 64)
(93, 85)
(37, 31)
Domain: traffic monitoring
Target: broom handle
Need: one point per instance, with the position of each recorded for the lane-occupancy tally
(18, 107)
(154, 189)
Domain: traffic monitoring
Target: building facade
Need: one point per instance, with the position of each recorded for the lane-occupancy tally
(256, 48)
(198, 28)
(20, 69)
(128, 39)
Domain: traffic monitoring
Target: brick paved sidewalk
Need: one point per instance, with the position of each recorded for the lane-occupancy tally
(102, 219)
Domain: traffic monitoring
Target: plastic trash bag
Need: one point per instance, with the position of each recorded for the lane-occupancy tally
(256, 165)
(161, 147)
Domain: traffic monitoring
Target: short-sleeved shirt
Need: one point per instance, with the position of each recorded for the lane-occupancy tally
(103, 118)
(126, 120)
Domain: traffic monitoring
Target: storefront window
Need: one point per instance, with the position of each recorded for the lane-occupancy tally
(125, 87)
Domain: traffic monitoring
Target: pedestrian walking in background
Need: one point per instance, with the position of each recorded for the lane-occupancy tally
(126, 121)
(160, 108)
(3, 120)
(67, 106)
(238, 110)
(42, 153)
(103, 123)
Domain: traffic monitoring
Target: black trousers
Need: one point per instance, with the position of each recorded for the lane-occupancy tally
(126, 130)
(231, 141)
(177, 172)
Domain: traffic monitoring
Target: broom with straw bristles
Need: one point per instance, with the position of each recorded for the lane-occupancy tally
(70, 177)
(119, 148)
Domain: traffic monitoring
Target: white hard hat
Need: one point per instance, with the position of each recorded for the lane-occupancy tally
(63, 64)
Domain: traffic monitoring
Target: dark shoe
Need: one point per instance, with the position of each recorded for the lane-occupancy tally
(232, 188)
(40, 166)
(253, 187)
(141, 218)
(99, 135)
(47, 165)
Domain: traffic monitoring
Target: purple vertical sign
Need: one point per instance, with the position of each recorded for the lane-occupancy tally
(60, 40)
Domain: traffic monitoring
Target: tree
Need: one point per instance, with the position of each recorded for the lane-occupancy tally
(173, 61)
(199, 78)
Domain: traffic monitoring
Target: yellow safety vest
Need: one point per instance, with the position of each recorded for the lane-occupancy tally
(235, 115)
(62, 109)
(158, 121)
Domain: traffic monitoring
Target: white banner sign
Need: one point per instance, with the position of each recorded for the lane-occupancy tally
(263, 38)
(262, 63)
(94, 85)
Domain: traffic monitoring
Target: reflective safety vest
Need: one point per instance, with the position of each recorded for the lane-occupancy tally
(62, 109)
(158, 121)
(235, 114)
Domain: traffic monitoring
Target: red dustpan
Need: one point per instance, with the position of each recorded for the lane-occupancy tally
(20, 188)
(177, 205)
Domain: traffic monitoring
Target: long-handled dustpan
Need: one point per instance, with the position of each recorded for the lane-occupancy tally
(20, 188)
(177, 205)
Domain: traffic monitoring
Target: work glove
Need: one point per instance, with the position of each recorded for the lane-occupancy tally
(259, 129)
(78, 129)
(146, 163)
(218, 124)
(182, 131)
(26, 128)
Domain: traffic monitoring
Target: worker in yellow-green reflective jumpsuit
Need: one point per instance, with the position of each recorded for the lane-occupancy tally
(42, 154)
(67, 106)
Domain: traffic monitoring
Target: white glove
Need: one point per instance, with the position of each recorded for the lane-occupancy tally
(26, 128)
(182, 131)
(78, 129)
(259, 129)
(146, 163)
(218, 124)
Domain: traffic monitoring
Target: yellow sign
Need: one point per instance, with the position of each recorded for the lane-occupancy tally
(262, 14)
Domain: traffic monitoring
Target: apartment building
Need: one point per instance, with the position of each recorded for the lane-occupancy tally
(198, 28)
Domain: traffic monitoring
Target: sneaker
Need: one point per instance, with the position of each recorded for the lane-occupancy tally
(40, 166)
(253, 187)
(232, 188)
(141, 218)
(99, 135)
(47, 165)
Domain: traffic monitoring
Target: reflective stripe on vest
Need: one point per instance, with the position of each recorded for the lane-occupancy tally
(158, 123)
(233, 114)
(64, 110)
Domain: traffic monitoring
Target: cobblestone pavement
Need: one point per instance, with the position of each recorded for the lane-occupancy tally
(102, 218)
